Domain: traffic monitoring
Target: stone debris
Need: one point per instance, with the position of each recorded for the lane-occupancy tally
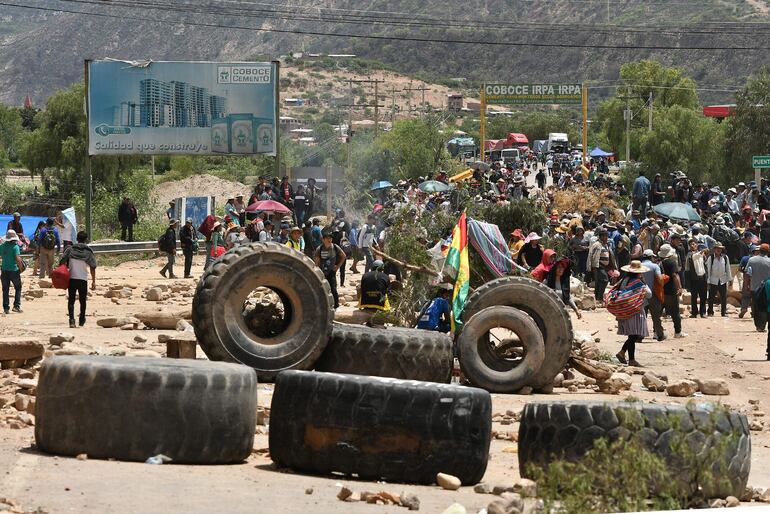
(116, 322)
(653, 382)
(616, 383)
(525, 487)
(45, 283)
(509, 503)
(20, 349)
(448, 482)
(732, 501)
(408, 500)
(681, 388)
(713, 386)
(455, 508)
(482, 488)
(736, 374)
(61, 337)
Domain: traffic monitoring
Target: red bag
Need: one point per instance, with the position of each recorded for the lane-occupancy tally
(217, 252)
(60, 277)
(207, 226)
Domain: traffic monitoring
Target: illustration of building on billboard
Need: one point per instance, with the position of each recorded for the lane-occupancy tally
(179, 108)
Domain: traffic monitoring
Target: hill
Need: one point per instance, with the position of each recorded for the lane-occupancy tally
(43, 50)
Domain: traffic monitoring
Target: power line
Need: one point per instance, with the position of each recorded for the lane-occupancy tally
(416, 39)
(402, 19)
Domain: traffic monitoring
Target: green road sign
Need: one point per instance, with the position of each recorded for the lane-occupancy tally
(510, 94)
(760, 161)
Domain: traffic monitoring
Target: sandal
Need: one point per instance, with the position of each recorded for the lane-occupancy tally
(621, 357)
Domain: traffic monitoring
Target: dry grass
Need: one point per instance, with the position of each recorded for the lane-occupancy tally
(581, 199)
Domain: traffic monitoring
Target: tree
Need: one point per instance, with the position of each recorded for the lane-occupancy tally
(748, 131)
(683, 139)
(416, 145)
(10, 131)
(668, 86)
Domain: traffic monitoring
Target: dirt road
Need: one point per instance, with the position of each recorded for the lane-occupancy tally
(716, 347)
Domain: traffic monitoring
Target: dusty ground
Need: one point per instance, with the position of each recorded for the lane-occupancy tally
(716, 347)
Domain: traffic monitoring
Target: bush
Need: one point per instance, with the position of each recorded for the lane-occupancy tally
(524, 214)
(137, 186)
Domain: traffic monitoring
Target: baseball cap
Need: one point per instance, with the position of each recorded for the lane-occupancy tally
(649, 253)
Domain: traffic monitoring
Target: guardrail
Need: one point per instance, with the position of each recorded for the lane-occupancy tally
(125, 247)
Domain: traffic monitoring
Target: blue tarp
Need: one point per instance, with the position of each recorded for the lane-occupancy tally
(598, 152)
(28, 222)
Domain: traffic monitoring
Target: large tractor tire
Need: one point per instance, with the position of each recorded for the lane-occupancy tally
(223, 330)
(379, 428)
(404, 353)
(567, 430)
(483, 359)
(132, 408)
(543, 306)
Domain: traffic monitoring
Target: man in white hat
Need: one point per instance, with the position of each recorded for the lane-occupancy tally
(672, 289)
(11, 271)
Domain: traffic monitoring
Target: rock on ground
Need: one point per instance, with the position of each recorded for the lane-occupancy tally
(449, 482)
(681, 388)
(653, 382)
(714, 386)
(616, 383)
(20, 348)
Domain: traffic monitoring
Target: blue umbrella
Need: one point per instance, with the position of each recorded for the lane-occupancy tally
(433, 186)
(677, 211)
(381, 184)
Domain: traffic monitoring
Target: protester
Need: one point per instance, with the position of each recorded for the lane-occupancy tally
(547, 262)
(375, 285)
(641, 192)
(329, 257)
(296, 242)
(367, 240)
(436, 316)
(758, 268)
(188, 240)
(653, 278)
(531, 254)
(719, 275)
(672, 289)
(128, 216)
(79, 259)
(167, 245)
(695, 270)
(601, 261)
(10, 271)
(34, 246)
(516, 243)
(635, 325)
(558, 280)
(15, 225)
(49, 244)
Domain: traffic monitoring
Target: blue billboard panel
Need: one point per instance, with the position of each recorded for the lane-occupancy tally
(191, 108)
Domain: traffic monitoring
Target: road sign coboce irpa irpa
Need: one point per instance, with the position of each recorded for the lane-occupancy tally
(760, 161)
(198, 108)
(509, 94)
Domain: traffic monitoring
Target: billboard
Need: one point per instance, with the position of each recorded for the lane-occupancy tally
(191, 108)
(512, 94)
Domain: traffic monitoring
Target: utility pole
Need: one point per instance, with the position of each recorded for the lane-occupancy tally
(423, 89)
(628, 124)
(649, 109)
(376, 108)
(393, 106)
(409, 100)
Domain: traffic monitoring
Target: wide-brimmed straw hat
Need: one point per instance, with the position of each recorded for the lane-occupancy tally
(532, 236)
(634, 267)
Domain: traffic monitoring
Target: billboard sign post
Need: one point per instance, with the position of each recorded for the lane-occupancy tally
(517, 94)
(182, 108)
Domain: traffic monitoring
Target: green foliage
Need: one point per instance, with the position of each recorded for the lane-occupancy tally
(137, 186)
(536, 125)
(524, 214)
(611, 477)
(683, 139)
(416, 146)
(748, 132)
(12, 194)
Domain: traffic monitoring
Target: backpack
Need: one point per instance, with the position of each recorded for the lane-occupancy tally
(49, 239)
(625, 303)
(346, 247)
(163, 242)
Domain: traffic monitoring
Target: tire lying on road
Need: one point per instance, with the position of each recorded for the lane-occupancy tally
(132, 408)
(405, 353)
(480, 354)
(719, 437)
(543, 306)
(379, 428)
(308, 309)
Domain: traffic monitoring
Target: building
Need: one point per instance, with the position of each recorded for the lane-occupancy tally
(173, 104)
(454, 102)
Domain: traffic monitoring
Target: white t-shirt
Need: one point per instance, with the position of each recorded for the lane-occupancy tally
(78, 269)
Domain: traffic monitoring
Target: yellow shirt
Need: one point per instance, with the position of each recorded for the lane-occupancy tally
(515, 248)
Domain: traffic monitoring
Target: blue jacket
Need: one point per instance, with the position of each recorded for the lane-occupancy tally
(43, 232)
(641, 187)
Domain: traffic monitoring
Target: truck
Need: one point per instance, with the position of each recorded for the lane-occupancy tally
(558, 142)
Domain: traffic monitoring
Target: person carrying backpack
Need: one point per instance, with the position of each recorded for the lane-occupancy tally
(167, 245)
(330, 257)
(719, 275)
(49, 244)
(437, 315)
(12, 266)
(79, 258)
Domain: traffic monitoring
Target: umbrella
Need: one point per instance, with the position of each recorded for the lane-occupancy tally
(478, 165)
(433, 186)
(268, 206)
(677, 211)
(598, 152)
(381, 184)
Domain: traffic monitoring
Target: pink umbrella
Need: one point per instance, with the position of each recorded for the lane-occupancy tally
(270, 206)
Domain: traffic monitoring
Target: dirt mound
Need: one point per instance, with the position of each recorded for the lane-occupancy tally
(200, 185)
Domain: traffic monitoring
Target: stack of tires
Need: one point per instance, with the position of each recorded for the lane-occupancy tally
(538, 318)
(310, 338)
